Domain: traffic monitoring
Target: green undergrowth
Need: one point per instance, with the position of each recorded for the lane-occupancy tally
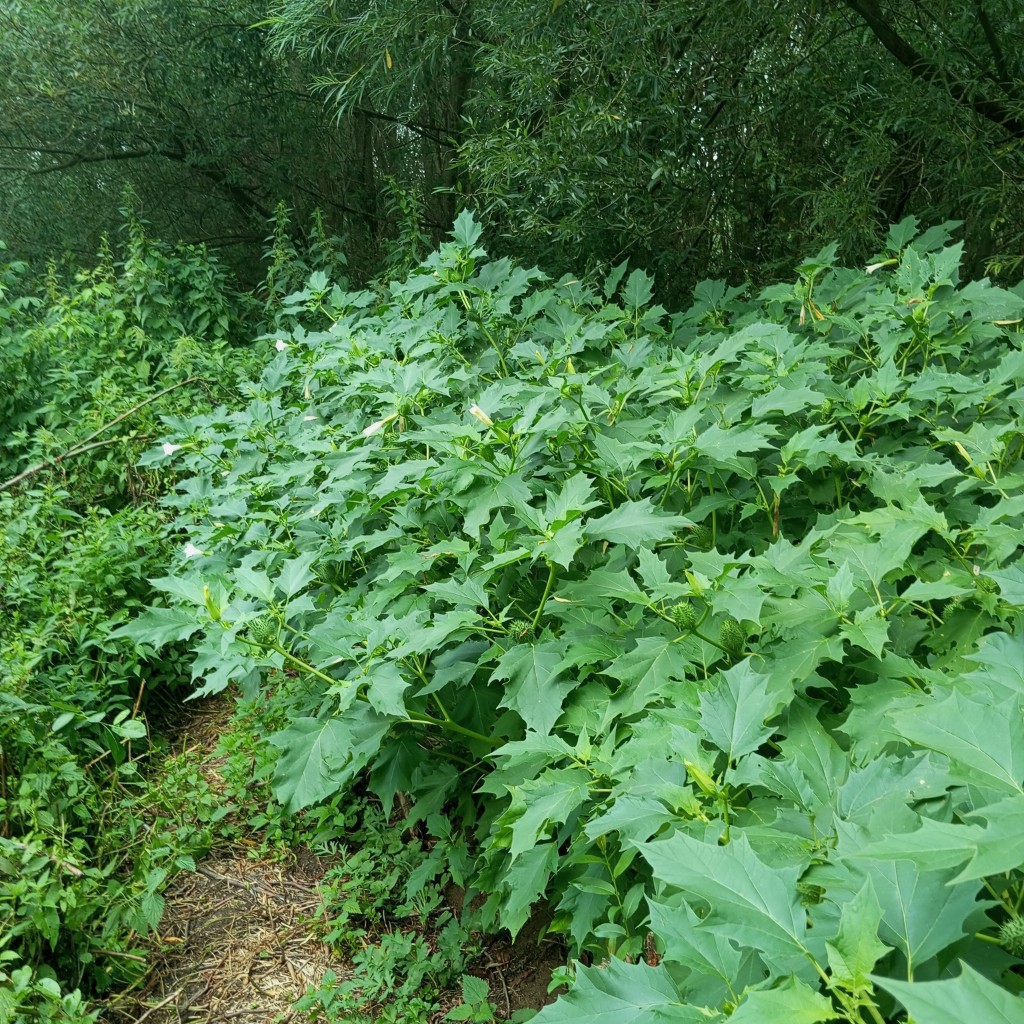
(96, 816)
(84, 847)
(93, 823)
(703, 627)
(398, 950)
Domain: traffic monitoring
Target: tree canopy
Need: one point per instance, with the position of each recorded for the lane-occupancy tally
(686, 136)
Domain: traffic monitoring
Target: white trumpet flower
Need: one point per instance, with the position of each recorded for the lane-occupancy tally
(379, 425)
(475, 410)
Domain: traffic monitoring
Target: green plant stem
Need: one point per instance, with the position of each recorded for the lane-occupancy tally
(478, 320)
(441, 708)
(424, 719)
(299, 663)
(875, 1015)
(544, 597)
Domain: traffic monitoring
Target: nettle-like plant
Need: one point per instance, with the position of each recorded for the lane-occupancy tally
(707, 628)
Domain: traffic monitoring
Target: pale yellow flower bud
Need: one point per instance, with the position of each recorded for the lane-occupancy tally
(476, 411)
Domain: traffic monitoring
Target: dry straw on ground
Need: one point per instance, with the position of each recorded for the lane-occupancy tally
(237, 941)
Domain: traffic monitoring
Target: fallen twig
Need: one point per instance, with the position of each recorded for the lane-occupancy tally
(85, 444)
(246, 887)
(56, 861)
(163, 1002)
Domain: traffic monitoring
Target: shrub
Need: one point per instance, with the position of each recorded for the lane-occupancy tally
(704, 627)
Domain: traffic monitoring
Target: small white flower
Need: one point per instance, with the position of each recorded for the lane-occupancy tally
(379, 425)
(309, 419)
(872, 267)
(170, 449)
(475, 410)
(191, 551)
(280, 344)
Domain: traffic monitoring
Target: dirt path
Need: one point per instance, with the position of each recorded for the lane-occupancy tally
(237, 940)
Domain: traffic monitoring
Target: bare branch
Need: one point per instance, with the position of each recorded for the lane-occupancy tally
(86, 444)
(927, 70)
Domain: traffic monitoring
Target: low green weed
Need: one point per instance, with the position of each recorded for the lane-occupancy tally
(380, 911)
(706, 627)
(85, 846)
(28, 995)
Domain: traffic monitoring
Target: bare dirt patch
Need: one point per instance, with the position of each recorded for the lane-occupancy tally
(237, 940)
(234, 944)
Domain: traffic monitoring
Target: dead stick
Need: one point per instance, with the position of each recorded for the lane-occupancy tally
(138, 700)
(122, 956)
(246, 887)
(52, 858)
(159, 1006)
(83, 446)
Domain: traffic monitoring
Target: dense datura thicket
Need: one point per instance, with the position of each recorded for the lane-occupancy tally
(704, 627)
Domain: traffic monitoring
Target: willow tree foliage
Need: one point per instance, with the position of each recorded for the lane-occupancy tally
(689, 134)
(180, 100)
(685, 135)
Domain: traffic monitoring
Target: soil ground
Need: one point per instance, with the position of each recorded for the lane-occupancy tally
(237, 943)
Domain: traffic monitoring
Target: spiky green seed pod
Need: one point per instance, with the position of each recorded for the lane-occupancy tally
(520, 629)
(826, 410)
(809, 893)
(263, 630)
(1011, 935)
(700, 537)
(326, 572)
(684, 616)
(732, 636)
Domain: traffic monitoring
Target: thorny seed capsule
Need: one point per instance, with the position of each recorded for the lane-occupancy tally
(684, 616)
(520, 629)
(263, 630)
(732, 636)
(1011, 935)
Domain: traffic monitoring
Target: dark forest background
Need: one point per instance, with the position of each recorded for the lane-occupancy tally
(692, 138)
